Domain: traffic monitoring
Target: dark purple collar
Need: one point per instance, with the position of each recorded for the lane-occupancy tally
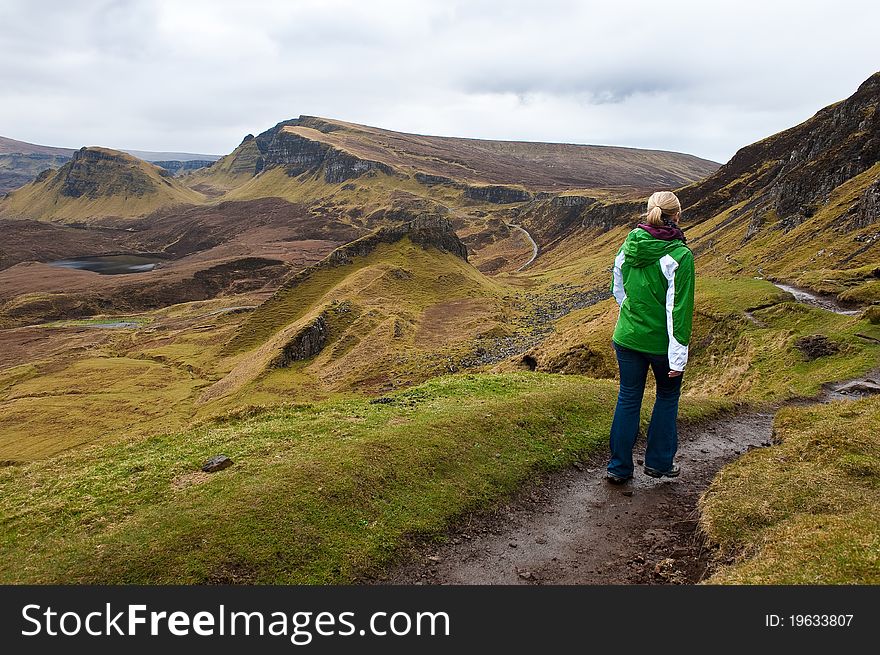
(664, 232)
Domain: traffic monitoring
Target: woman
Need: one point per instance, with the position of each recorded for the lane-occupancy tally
(653, 282)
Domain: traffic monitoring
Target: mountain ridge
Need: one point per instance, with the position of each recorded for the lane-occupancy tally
(302, 143)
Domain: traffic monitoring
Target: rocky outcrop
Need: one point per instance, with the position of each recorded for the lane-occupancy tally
(298, 154)
(427, 231)
(497, 194)
(97, 172)
(305, 344)
(404, 209)
(787, 177)
(867, 210)
(435, 180)
(216, 463)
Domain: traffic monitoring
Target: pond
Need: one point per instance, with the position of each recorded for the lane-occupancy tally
(111, 264)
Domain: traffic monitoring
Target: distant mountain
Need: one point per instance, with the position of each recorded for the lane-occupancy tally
(97, 183)
(21, 162)
(11, 146)
(341, 151)
(153, 157)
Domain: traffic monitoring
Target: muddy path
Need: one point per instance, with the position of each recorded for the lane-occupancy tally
(575, 528)
(572, 527)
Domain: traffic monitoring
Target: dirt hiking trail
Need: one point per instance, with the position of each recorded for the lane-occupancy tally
(573, 527)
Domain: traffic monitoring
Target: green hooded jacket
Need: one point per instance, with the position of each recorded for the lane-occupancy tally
(653, 282)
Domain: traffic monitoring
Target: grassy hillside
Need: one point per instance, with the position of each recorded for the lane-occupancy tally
(387, 301)
(807, 510)
(396, 311)
(319, 493)
(97, 183)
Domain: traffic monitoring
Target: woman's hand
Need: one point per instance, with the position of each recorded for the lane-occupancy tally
(675, 374)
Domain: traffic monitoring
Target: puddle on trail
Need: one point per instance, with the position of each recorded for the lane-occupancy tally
(111, 264)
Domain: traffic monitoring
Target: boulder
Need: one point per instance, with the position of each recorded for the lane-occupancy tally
(216, 463)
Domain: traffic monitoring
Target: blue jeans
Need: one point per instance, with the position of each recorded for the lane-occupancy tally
(662, 432)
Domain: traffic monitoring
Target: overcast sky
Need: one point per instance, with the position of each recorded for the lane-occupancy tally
(699, 77)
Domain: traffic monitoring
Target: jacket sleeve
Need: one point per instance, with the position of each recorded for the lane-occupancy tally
(617, 289)
(679, 307)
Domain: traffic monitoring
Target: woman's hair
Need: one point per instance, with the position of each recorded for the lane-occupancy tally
(660, 204)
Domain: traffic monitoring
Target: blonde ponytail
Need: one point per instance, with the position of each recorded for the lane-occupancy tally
(662, 203)
(655, 216)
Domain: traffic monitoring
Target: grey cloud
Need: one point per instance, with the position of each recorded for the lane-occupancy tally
(697, 77)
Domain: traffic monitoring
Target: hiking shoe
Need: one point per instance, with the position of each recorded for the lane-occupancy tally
(617, 479)
(671, 473)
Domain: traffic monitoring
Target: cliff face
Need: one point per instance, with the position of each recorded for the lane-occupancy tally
(17, 169)
(497, 194)
(96, 172)
(819, 179)
(298, 154)
(785, 178)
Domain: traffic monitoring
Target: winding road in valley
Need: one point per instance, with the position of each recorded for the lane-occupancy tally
(531, 240)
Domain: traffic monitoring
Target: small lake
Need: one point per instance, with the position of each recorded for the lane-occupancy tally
(111, 264)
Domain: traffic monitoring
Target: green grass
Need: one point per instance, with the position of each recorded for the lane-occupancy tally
(807, 510)
(319, 493)
(45, 412)
(855, 285)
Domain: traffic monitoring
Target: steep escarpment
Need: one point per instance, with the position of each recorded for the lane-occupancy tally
(802, 204)
(491, 171)
(792, 205)
(786, 177)
(297, 150)
(97, 183)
